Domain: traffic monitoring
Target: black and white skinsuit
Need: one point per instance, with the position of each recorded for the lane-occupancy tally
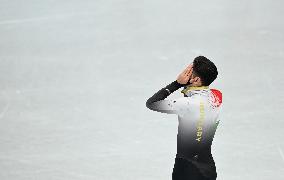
(198, 117)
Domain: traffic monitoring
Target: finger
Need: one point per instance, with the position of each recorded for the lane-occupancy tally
(189, 72)
(187, 69)
(184, 71)
(190, 66)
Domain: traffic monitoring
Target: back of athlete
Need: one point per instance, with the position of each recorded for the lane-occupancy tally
(198, 113)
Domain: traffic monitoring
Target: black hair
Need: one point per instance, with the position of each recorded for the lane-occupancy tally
(205, 70)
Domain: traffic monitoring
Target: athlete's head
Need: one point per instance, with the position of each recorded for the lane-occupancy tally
(204, 71)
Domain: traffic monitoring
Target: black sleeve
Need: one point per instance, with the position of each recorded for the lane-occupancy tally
(163, 93)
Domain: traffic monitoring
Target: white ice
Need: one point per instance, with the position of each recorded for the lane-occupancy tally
(75, 76)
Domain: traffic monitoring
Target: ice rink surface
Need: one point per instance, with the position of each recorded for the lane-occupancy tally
(75, 77)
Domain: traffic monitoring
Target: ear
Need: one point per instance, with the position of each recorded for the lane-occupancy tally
(199, 80)
(196, 79)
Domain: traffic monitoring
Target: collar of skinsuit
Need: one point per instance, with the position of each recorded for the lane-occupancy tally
(187, 89)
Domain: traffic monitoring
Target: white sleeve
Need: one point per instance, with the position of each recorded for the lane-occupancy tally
(171, 106)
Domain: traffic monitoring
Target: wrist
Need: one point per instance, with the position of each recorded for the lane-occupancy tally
(173, 86)
(177, 84)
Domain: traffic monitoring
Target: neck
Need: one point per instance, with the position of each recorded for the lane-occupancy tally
(193, 87)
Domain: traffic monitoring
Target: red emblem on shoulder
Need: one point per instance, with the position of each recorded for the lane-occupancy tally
(217, 97)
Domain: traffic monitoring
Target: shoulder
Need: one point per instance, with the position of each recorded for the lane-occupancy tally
(216, 97)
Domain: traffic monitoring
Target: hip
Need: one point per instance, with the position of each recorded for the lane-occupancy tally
(189, 170)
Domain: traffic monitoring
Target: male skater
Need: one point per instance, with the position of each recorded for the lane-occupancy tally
(198, 113)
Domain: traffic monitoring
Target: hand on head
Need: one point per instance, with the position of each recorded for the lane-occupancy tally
(187, 77)
(186, 74)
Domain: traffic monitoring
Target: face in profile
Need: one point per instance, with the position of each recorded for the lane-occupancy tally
(194, 80)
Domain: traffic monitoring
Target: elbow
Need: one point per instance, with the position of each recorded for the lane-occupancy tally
(148, 104)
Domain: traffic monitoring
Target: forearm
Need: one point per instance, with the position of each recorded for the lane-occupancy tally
(163, 93)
